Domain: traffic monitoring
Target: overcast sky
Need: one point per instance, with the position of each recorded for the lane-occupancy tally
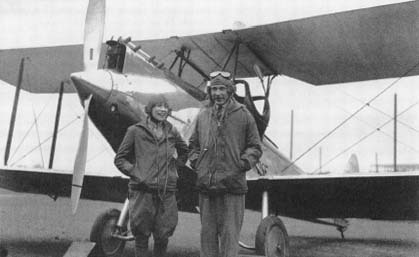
(317, 110)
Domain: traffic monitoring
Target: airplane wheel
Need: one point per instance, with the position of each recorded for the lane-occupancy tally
(104, 226)
(272, 238)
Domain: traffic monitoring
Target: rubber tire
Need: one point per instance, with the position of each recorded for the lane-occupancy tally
(271, 228)
(104, 224)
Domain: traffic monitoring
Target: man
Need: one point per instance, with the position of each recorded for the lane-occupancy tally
(153, 176)
(224, 145)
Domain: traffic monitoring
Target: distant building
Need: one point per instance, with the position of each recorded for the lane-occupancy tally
(390, 167)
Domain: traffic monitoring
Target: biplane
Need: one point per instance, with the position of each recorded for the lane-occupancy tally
(365, 44)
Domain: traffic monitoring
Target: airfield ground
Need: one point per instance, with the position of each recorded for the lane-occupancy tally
(35, 225)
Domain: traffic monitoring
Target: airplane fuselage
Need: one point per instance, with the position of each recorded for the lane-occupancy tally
(118, 101)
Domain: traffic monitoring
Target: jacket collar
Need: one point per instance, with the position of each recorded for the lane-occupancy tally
(231, 106)
(143, 124)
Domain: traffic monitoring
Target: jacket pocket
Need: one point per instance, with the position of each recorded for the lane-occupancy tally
(137, 175)
(173, 174)
(203, 179)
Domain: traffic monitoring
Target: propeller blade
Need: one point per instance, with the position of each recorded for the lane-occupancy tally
(93, 33)
(80, 161)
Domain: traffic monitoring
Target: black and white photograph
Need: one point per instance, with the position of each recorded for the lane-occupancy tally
(158, 128)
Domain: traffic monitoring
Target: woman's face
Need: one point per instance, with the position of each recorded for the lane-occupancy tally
(160, 112)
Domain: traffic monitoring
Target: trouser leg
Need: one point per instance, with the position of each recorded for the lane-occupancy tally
(150, 214)
(141, 246)
(231, 217)
(160, 247)
(209, 231)
(166, 218)
(141, 214)
(165, 223)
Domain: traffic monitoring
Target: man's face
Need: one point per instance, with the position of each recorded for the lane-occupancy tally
(219, 94)
(160, 112)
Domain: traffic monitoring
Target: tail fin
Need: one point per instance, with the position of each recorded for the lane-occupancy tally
(353, 165)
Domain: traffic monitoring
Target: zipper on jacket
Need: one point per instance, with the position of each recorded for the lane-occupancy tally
(212, 173)
(200, 157)
(210, 179)
(156, 161)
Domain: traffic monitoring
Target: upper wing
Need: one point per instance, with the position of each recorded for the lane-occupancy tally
(366, 44)
(43, 68)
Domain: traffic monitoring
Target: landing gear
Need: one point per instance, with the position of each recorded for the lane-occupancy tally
(271, 235)
(341, 230)
(272, 238)
(341, 226)
(103, 231)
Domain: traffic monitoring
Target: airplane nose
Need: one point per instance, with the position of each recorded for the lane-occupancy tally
(97, 83)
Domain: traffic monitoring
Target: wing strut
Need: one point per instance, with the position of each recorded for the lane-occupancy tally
(225, 48)
(236, 60)
(14, 111)
(205, 53)
(182, 62)
(56, 124)
(191, 63)
(261, 59)
(236, 45)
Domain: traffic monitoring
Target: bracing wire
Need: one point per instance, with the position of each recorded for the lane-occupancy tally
(384, 133)
(33, 123)
(26, 134)
(365, 137)
(39, 139)
(378, 110)
(44, 141)
(350, 117)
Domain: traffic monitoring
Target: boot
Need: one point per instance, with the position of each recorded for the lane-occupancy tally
(160, 247)
(141, 246)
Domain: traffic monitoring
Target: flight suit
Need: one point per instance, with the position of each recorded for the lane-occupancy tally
(222, 150)
(149, 160)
